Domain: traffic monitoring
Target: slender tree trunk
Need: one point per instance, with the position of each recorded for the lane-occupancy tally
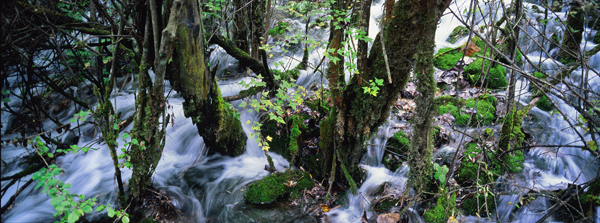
(241, 25)
(258, 26)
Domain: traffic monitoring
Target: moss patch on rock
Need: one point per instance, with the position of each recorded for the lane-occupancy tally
(457, 33)
(485, 108)
(395, 148)
(279, 185)
(446, 58)
(495, 79)
(442, 209)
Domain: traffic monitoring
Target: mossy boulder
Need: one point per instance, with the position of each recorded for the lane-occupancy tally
(495, 79)
(485, 108)
(446, 58)
(457, 33)
(395, 149)
(470, 205)
(467, 172)
(289, 184)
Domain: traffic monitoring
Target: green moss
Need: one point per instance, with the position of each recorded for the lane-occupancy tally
(326, 128)
(273, 187)
(295, 132)
(441, 211)
(597, 37)
(384, 205)
(487, 132)
(446, 58)
(458, 33)
(495, 79)
(229, 132)
(396, 147)
(486, 109)
(279, 29)
(468, 169)
(544, 104)
(470, 207)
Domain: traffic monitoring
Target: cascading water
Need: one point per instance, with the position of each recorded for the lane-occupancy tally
(211, 188)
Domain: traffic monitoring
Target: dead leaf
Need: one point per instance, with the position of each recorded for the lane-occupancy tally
(471, 49)
(388, 218)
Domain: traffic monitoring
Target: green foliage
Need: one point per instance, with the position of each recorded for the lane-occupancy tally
(69, 206)
(275, 108)
(457, 33)
(440, 173)
(277, 186)
(442, 210)
(279, 29)
(373, 88)
(487, 132)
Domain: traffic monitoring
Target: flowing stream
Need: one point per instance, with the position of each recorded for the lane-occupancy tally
(211, 188)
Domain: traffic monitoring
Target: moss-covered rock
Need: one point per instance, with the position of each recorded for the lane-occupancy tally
(495, 79)
(279, 185)
(470, 205)
(597, 37)
(447, 57)
(395, 149)
(544, 104)
(442, 210)
(467, 172)
(457, 33)
(485, 107)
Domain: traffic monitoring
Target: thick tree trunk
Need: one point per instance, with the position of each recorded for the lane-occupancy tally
(216, 119)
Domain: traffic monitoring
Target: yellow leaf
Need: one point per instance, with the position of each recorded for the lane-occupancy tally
(248, 122)
(265, 148)
(325, 208)
(269, 138)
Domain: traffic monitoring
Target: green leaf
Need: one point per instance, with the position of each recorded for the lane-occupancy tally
(115, 126)
(87, 209)
(100, 208)
(73, 217)
(51, 155)
(135, 141)
(110, 212)
(125, 219)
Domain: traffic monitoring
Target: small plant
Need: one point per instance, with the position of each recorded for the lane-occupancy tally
(69, 207)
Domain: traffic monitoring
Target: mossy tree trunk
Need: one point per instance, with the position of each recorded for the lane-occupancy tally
(150, 123)
(258, 26)
(216, 120)
(573, 34)
(408, 35)
(241, 25)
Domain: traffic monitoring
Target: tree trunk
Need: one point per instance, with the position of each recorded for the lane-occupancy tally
(241, 25)
(357, 115)
(217, 121)
(573, 34)
(258, 26)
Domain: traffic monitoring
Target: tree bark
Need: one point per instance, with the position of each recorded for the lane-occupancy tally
(241, 25)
